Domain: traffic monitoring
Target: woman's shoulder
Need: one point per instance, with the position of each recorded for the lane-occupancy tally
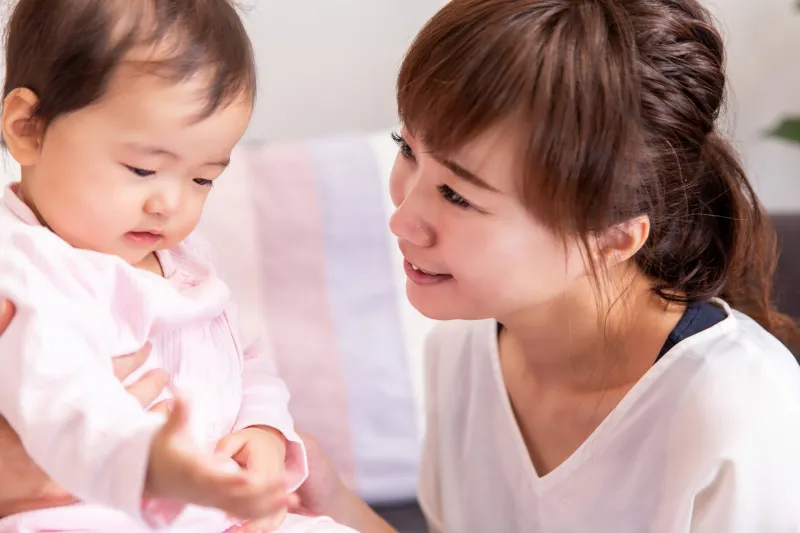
(739, 348)
(737, 383)
(455, 349)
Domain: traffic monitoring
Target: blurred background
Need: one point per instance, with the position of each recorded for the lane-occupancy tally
(328, 67)
(310, 202)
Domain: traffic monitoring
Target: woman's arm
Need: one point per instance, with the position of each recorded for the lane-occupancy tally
(351, 511)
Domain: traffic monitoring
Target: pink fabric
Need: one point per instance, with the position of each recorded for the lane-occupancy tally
(306, 349)
(91, 519)
(76, 310)
(317, 273)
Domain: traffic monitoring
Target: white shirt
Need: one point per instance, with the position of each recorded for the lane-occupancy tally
(708, 441)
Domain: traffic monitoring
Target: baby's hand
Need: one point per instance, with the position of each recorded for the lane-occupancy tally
(179, 471)
(260, 451)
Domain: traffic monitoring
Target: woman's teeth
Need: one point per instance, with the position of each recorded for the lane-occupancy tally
(415, 267)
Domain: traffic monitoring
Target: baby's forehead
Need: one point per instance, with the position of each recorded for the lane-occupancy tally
(150, 115)
(141, 91)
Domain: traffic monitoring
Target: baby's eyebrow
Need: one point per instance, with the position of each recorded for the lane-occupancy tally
(152, 149)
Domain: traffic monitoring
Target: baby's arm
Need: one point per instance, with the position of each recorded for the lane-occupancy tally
(265, 402)
(59, 394)
(72, 415)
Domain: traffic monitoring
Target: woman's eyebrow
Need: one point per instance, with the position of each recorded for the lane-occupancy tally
(466, 175)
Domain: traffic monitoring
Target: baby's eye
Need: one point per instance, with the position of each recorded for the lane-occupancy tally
(141, 172)
(204, 182)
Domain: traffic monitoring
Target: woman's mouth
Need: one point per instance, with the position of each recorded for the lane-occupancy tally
(424, 277)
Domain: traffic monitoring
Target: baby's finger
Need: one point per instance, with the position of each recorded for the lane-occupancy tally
(178, 419)
(254, 501)
(231, 445)
(293, 501)
(6, 314)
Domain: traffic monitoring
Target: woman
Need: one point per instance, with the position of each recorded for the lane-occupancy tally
(562, 191)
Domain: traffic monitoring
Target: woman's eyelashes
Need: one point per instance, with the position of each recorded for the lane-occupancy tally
(144, 173)
(447, 193)
(453, 197)
(405, 149)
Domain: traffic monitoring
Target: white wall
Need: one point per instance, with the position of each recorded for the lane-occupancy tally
(332, 68)
(329, 65)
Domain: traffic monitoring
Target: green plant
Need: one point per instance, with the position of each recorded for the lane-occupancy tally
(788, 129)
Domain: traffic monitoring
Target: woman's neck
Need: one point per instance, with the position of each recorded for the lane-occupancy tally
(578, 345)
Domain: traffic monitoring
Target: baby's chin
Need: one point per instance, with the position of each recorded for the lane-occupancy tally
(148, 261)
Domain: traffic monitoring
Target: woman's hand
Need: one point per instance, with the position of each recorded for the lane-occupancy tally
(324, 493)
(23, 485)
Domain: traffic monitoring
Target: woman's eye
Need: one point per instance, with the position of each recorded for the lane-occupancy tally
(453, 197)
(141, 172)
(405, 149)
(204, 182)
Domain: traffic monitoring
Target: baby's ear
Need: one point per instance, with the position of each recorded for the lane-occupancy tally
(22, 131)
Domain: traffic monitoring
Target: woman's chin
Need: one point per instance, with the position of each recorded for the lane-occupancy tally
(438, 306)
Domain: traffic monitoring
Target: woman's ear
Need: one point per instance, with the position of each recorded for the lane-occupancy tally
(621, 242)
(22, 131)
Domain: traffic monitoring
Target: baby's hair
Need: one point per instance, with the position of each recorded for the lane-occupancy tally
(617, 102)
(66, 51)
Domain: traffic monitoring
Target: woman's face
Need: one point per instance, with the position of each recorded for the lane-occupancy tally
(472, 249)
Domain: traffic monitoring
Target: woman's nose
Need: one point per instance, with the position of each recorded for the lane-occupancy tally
(408, 222)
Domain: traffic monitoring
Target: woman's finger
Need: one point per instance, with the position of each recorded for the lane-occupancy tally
(126, 365)
(7, 311)
(148, 387)
(163, 407)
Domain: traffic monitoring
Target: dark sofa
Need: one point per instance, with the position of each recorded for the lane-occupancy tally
(407, 518)
(787, 277)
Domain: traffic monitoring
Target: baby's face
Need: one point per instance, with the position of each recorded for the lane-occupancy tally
(130, 174)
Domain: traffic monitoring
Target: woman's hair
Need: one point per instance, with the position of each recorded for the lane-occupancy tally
(66, 51)
(618, 102)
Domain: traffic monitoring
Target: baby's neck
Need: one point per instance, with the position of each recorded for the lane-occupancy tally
(23, 194)
(151, 264)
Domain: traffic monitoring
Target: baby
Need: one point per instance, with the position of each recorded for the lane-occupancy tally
(121, 114)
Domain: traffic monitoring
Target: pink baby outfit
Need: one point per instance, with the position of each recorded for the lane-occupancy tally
(76, 309)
